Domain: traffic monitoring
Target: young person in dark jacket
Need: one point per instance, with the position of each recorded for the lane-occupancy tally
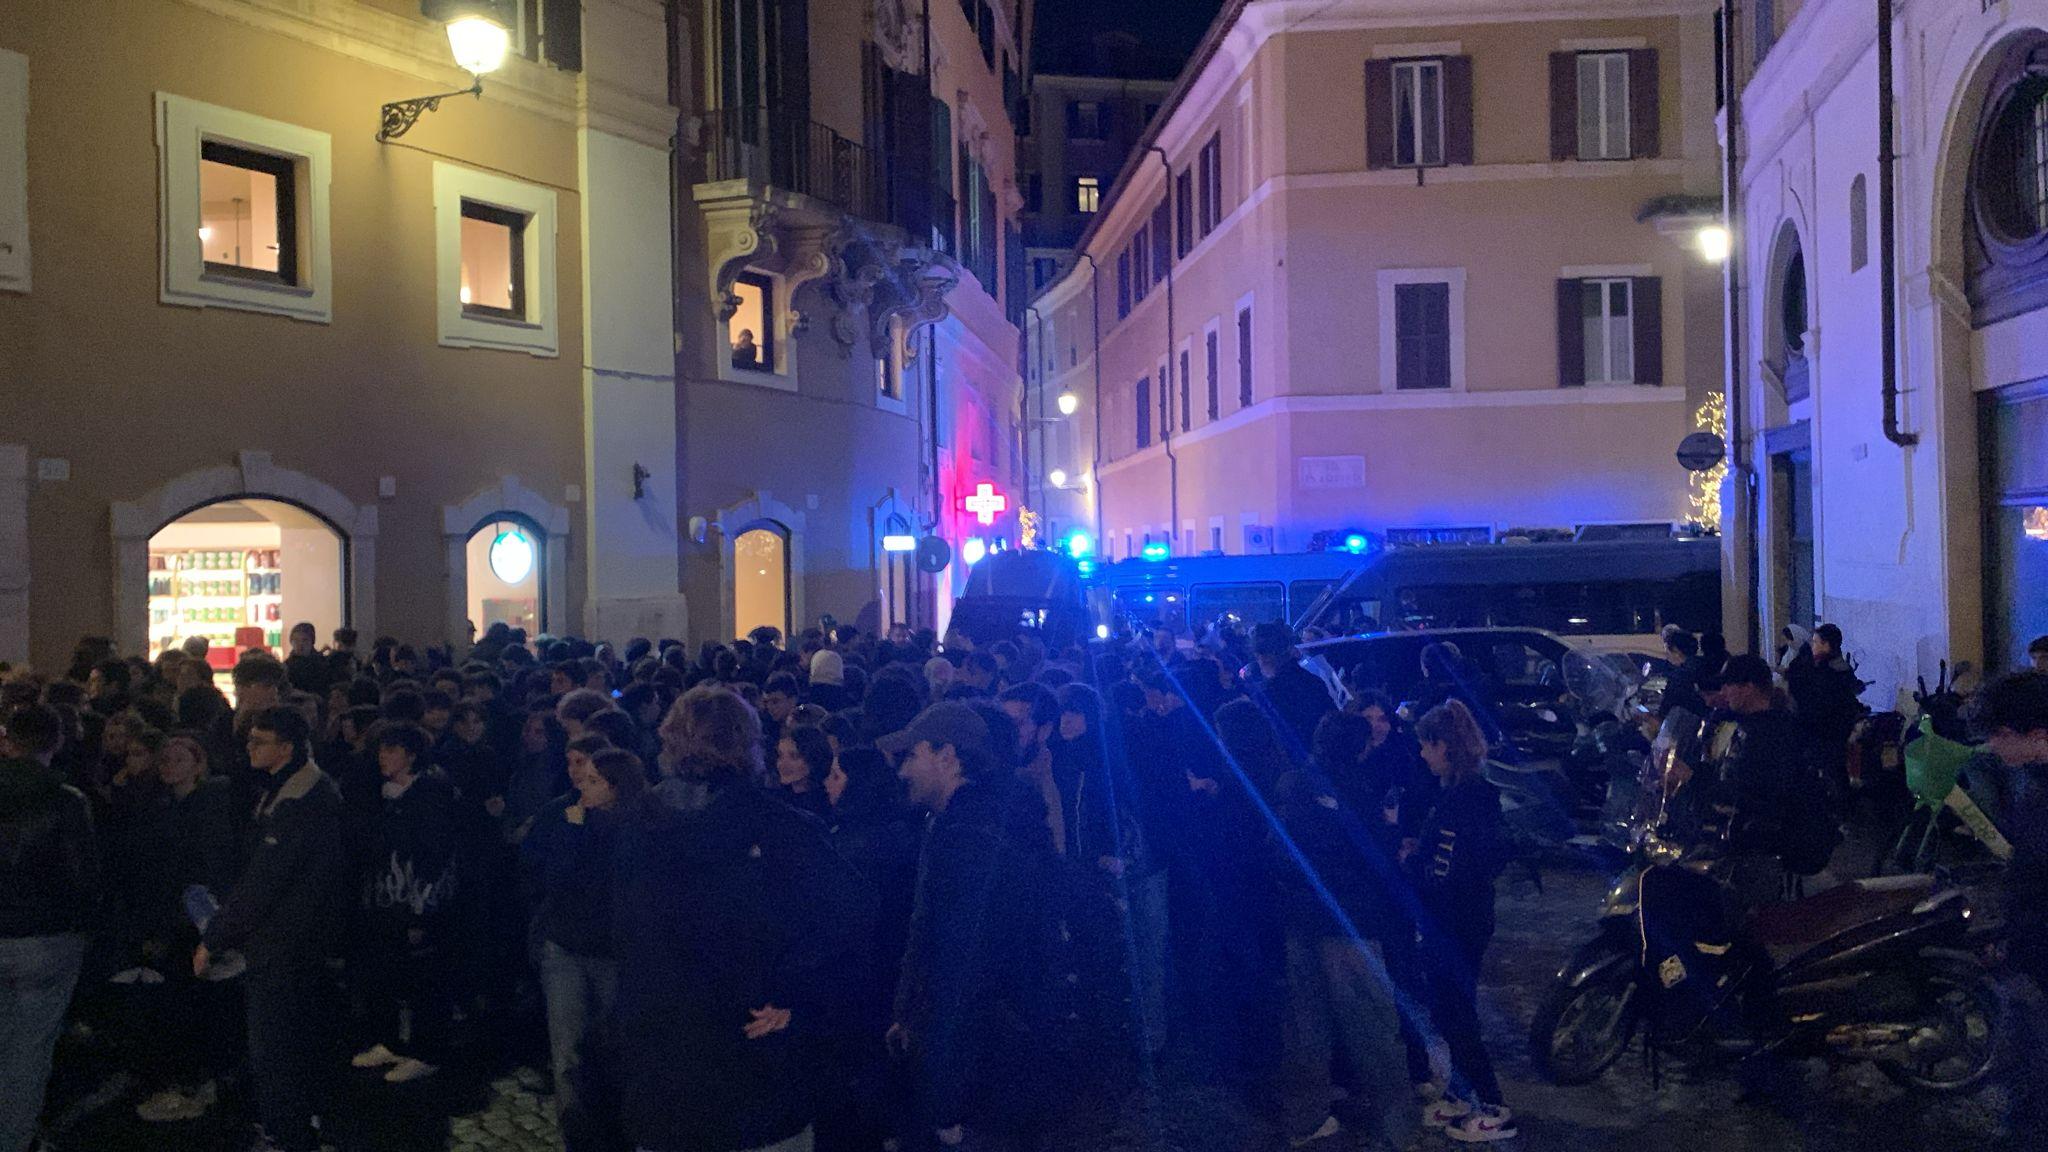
(568, 853)
(2013, 712)
(736, 924)
(1284, 689)
(279, 916)
(1453, 865)
(803, 758)
(49, 886)
(411, 890)
(968, 1004)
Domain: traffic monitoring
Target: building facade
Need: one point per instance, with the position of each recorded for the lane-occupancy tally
(1919, 525)
(1076, 137)
(261, 363)
(1348, 280)
(848, 303)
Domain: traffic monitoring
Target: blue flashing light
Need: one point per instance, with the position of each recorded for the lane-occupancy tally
(1357, 543)
(1079, 545)
(1157, 550)
(1087, 567)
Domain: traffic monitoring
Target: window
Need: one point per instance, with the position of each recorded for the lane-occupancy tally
(1187, 408)
(1418, 103)
(1087, 194)
(1859, 224)
(750, 333)
(1608, 325)
(495, 257)
(1044, 270)
(1162, 240)
(1211, 341)
(1142, 405)
(1244, 355)
(1123, 284)
(986, 27)
(1034, 193)
(244, 210)
(1087, 120)
(2033, 160)
(1141, 263)
(1184, 211)
(1603, 106)
(14, 264)
(1422, 327)
(1211, 163)
(1165, 402)
(493, 262)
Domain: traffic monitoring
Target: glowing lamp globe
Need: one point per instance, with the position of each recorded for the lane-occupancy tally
(480, 43)
(1069, 403)
(1058, 476)
(511, 556)
(973, 550)
(1714, 243)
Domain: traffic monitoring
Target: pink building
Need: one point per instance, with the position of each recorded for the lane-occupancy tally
(1365, 273)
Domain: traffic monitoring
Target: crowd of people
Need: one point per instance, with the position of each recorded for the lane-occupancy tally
(836, 891)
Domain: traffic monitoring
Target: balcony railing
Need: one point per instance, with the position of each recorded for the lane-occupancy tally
(767, 146)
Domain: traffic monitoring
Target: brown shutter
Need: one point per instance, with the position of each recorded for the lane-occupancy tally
(1457, 110)
(1564, 105)
(1571, 334)
(1379, 113)
(561, 33)
(1648, 307)
(1643, 105)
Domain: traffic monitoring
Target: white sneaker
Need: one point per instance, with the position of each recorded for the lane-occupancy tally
(125, 976)
(171, 1107)
(408, 1070)
(1484, 1126)
(1329, 1129)
(377, 1056)
(1445, 1112)
(226, 966)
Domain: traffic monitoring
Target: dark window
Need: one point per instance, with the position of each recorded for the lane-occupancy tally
(1766, 20)
(1244, 356)
(493, 261)
(1859, 223)
(1212, 183)
(1162, 240)
(248, 213)
(1123, 284)
(1211, 339)
(1142, 404)
(1184, 210)
(1086, 121)
(1422, 336)
(1187, 408)
(1165, 403)
(1141, 264)
(1034, 193)
(986, 27)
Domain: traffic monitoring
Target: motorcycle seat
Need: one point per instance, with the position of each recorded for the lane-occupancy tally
(1787, 931)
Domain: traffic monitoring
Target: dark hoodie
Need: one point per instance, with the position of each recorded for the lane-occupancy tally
(283, 909)
(414, 859)
(49, 866)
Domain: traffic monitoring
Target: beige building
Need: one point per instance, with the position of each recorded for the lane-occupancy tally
(280, 341)
(1918, 524)
(1365, 274)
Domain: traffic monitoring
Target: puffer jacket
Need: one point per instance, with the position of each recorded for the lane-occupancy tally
(49, 866)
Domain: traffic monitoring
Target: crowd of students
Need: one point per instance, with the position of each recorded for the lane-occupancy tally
(843, 891)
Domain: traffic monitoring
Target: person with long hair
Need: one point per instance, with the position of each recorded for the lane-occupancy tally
(803, 758)
(1452, 864)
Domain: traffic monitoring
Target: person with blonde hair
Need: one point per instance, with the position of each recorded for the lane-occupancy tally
(1461, 848)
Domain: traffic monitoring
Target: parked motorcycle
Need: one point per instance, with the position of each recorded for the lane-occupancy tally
(1898, 971)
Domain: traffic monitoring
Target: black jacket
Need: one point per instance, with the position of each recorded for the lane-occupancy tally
(1296, 697)
(1462, 848)
(1345, 878)
(414, 868)
(283, 908)
(49, 865)
(719, 911)
(571, 868)
(163, 844)
(973, 972)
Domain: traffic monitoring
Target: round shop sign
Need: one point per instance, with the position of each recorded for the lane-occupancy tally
(511, 556)
(1700, 451)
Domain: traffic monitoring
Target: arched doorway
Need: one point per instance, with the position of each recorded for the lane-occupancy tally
(1788, 440)
(240, 572)
(506, 571)
(760, 578)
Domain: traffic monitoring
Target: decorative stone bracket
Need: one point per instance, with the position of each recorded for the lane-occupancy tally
(887, 279)
(739, 229)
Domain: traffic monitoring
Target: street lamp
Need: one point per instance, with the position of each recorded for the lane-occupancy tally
(479, 37)
(1714, 243)
(1069, 403)
(1058, 476)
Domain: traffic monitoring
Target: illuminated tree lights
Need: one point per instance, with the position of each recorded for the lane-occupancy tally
(1703, 496)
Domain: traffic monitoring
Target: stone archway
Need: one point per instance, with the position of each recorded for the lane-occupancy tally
(759, 510)
(460, 521)
(252, 475)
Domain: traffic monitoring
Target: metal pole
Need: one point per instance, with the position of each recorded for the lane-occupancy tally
(1887, 240)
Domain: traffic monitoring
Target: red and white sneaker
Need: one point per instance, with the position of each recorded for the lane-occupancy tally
(1484, 1125)
(1445, 1112)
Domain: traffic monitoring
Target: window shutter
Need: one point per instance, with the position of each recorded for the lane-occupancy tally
(1571, 333)
(1564, 105)
(561, 34)
(1643, 109)
(1073, 120)
(1648, 313)
(910, 158)
(1379, 113)
(1162, 237)
(793, 66)
(1457, 110)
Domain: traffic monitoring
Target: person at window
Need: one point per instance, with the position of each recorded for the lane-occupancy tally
(1462, 848)
(745, 353)
(279, 915)
(569, 856)
(49, 887)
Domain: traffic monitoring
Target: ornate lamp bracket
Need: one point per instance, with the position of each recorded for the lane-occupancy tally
(398, 117)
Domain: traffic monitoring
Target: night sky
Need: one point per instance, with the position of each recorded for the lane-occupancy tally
(1165, 31)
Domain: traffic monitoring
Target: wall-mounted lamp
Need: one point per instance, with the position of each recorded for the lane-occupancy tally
(1069, 403)
(479, 36)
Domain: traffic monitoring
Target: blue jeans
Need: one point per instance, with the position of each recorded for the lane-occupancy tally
(579, 991)
(37, 974)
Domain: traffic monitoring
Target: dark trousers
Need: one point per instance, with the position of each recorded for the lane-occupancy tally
(1450, 962)
(289, 1049)
(399, 979)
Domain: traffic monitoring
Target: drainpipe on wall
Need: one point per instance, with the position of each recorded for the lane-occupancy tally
(676, 308)
(1887, 240)
(1095, 463)
(1166, 433)
(1032, 360)
(1738, 435)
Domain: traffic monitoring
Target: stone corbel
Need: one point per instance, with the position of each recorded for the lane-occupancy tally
(738, 231)
(863, 275)
(917, 296)
(813, 256)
